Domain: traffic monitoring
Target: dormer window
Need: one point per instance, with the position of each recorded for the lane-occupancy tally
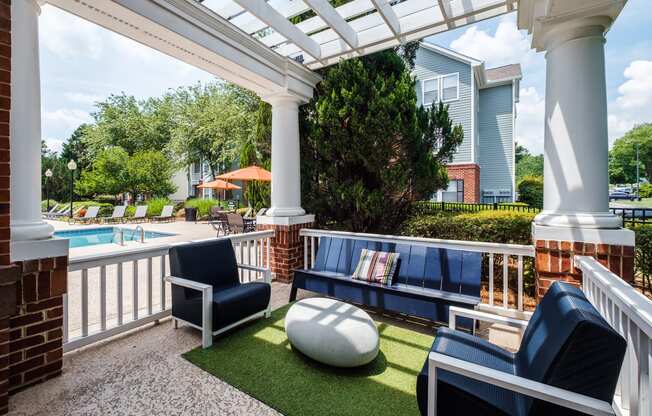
(444, 88)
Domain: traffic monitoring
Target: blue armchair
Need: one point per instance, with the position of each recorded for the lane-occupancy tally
(206, 289)
(568, 364)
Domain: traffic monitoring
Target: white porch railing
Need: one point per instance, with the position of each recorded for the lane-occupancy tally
(512, 256)
(629, 313)
(116, 292)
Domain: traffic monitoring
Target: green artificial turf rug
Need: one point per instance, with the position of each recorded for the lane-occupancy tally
(259, 360)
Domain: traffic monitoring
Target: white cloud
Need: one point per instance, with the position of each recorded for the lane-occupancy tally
(508, 45)
(634, 102)
(529, 120)
(82, 98)
(66, 119)
(68, 36)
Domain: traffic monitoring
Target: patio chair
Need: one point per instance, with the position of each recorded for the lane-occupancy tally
(51, 210)
(220, 223)
(261, 211)
(64, 211)
(140, 215)
(117, 215)
(567, 364)
(214, 212)
(89, 217)
(235, 222)
(166, 214)
(206, 290)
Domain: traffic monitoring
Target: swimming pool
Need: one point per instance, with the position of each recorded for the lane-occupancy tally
(102, 235)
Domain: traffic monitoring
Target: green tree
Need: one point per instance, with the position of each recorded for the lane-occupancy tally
(148, 173)
(107, 175)
(367, 149)
(622, 157)
(58, 184)
(530, 191)
(75, 149)
(211, 125)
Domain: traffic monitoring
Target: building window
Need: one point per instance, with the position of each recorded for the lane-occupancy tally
(454, 192)
(445, 88)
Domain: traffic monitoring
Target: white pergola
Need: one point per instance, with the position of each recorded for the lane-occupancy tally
(254, 44)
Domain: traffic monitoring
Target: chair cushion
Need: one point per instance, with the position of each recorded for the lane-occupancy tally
(238, 302)
(461, 395)
(376, 266)
(212, 262)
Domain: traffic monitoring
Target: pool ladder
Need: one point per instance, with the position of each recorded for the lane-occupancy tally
(121, 235)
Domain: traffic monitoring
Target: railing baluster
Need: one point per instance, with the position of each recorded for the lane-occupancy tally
(241, 260)
(491, 279)
(134, 289)
(84, 305)
(248, 261)
(625, 369)
(505, 281)
(119, 287)
(634, 363)
(268, 245)
(520, 283)
(256, 275)
(644, 385)
(306, 266)
(103, 298)
(312, 251)
(150, 280)
(163, 282)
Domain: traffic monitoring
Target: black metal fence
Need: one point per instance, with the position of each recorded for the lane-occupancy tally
(634, 216)
(431, 207)
(629, 215)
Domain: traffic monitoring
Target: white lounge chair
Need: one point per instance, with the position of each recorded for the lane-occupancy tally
(89, 216)
(51, 210)
(166, 214)
(140, 215)
(117, 215)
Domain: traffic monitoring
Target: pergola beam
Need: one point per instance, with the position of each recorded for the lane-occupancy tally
(446, 12)
(389, 16)
(282, 25)
(335, 21)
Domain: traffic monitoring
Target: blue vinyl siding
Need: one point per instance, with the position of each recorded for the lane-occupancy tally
(429, 64)
(495, 131)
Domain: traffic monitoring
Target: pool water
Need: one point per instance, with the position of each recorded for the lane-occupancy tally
(102, 235)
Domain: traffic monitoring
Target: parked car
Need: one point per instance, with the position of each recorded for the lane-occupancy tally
(616, 195)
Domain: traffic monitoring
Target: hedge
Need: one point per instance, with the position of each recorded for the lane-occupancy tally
(646, 190)
(644, 253)
(505, 227)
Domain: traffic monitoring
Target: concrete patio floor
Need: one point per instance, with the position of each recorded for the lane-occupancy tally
(143, 373)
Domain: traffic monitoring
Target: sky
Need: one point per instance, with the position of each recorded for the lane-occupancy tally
(82, 63)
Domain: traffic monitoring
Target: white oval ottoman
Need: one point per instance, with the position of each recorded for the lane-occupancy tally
(332, 332)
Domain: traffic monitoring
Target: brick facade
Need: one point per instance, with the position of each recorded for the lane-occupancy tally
(470, 174)
(286, 250)
(554, 261)
(8, 274)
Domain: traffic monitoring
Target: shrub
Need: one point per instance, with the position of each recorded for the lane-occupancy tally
(646, 190)
(644, 252)
(105, 208)
(108, 199)
(44, 204)
(506, 227)
(530, 191)
(203, 205)
(155, 206)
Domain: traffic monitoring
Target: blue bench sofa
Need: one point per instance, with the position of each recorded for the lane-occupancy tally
(566, 344)
(427, 282)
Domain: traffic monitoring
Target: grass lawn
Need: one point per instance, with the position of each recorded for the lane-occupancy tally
(643, 203)
(259, 360)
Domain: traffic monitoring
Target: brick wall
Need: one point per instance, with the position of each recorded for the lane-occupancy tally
(286, 249)
(470, 174)
(554, 261)
(36, 332)
(8, 274)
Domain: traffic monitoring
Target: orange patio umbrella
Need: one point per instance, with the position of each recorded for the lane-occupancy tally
(220, 184)
(250, 173)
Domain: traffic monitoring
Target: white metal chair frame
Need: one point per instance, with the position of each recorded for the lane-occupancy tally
(207, 305)
(534, 389)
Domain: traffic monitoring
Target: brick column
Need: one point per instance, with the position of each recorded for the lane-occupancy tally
(554, 256)
(286, 247)
(9, 276)
(36, 331)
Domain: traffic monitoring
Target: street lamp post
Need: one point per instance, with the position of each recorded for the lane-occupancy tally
(48, 175)
(72, 166)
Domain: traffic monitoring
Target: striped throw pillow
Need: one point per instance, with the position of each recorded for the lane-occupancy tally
(376, 266)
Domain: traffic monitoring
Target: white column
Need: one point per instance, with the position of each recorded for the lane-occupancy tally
(576, 176)
(286, 179)
(25, 125)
